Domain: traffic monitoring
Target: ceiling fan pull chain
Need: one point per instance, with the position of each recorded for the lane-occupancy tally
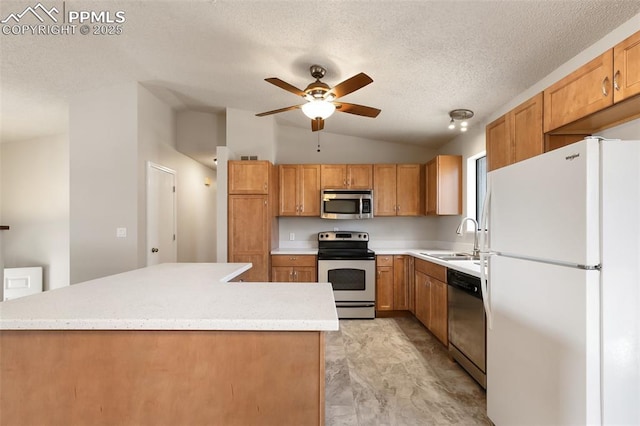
(318, 141)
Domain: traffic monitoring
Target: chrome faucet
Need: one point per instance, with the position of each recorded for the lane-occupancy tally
(460, 231)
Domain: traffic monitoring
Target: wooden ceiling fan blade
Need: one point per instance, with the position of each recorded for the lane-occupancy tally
(365, 111)
(317, 124)
(286, 86)
(350, 85)
(275, 111)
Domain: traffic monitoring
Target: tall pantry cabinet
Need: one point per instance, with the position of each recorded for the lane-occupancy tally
(252, 224)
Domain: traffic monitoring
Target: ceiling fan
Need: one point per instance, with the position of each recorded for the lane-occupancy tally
(321, 99)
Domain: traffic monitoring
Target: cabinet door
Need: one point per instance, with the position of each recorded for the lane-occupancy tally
(250, 233)
(444, 185)
(249, 177)
(360, 176)
(384, 288)
(583, 92)
(525, 122)
(423, 298)
(384, 189)
(626, 65)
(309, 190)
(400, 283)
(498, 142)
(306, 274)
(282, 274)
(432, 187)
(409, 190)
(438, 322)
(288, 202)
(333, 176)
(411, 286)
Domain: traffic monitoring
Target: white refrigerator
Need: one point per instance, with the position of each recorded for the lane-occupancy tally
(562, 292)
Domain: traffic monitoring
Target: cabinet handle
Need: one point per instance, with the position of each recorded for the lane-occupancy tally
(265, 202)
(398, 208)
(265, 186)
(605, 83)
(615, 80)
(344, 182)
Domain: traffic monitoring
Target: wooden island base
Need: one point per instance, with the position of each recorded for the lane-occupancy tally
(78, 377)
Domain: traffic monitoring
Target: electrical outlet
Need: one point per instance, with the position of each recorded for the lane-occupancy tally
(121, 232)
(292, 236)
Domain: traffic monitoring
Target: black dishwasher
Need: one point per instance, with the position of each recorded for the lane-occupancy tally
(467, 324)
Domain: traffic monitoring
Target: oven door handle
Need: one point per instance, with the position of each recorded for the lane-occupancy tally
(355, 304)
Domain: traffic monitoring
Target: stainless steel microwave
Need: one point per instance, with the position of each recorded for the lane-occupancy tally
(346, 204)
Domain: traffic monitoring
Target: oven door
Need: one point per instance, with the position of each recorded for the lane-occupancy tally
(352, 280)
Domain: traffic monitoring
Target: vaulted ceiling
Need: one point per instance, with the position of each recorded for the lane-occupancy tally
(425, 57)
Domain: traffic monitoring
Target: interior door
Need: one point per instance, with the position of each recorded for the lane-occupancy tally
(161, 215)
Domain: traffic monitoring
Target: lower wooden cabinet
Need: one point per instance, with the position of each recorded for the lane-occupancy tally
(384, 283)
(290, 269)
(431, 298)
(394, 282)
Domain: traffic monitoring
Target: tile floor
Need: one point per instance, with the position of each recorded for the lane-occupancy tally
(391, 371)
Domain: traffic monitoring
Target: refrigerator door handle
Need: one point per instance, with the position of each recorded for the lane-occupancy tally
(485, 288)
(484, 219)
(485, 254)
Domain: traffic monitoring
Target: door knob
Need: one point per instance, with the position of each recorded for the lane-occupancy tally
(154, 250)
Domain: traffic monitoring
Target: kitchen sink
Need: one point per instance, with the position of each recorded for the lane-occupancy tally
(452, 256)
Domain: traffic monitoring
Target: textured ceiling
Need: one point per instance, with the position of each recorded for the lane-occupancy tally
(425, 57)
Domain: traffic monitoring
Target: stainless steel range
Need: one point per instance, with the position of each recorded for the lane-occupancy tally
(344, 260)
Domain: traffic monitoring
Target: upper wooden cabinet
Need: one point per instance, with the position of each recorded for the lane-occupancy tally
(444, 185)
(249, 177)
(585, 91)
(525, 125)
(299, 190)
(397, 189)
(499, 149)
(626, 68)
(598, 95)
(346, 176)
(517, 135)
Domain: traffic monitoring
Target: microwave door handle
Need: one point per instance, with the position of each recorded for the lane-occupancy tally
(360, 211)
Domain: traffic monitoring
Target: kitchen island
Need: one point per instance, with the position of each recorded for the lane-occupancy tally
(167, 344)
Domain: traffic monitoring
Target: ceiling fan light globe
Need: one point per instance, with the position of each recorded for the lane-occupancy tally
(318, 109)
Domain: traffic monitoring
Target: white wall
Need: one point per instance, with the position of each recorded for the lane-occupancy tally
(103, 136)
(35, 193)
(299, 146)
(198, 133)
(196, 202)
(110, 144)
(247, 134)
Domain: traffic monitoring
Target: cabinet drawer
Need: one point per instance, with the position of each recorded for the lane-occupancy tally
(384, 260)
(433, 270)
(293, 260)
